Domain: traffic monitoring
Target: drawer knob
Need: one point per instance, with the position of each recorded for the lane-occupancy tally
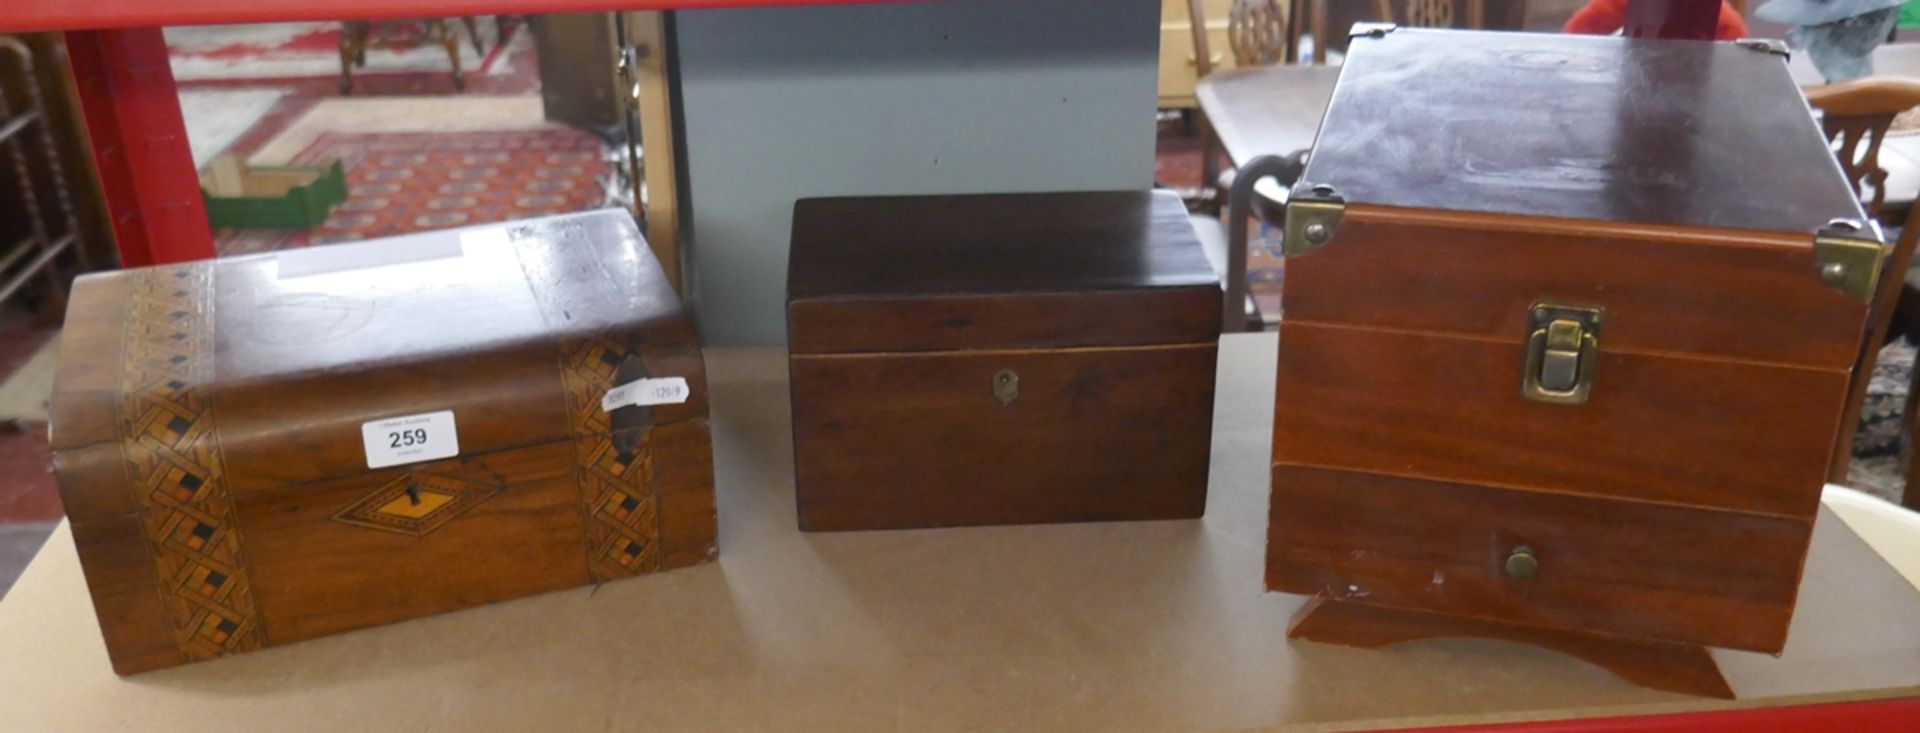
(1521, 563)
(1006, 387)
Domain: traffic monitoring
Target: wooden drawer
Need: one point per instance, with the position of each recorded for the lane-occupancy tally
(1659, 572)
(1713, 433)
(920, 440)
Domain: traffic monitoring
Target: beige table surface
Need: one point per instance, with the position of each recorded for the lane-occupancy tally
(1106, 627)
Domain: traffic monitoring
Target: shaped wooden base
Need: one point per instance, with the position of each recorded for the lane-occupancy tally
(1666, 666)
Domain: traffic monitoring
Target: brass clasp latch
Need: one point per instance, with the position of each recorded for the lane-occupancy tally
(1562, 350)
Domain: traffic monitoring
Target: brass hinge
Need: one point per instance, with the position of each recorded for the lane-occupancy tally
(1848, 257)
(1773, 46)
(1371, 30)
(1313, 213)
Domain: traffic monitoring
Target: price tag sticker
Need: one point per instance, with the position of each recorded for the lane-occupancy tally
(396, 441)
(638, 393)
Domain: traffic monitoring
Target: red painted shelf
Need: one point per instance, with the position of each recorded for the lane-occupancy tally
(60, 15)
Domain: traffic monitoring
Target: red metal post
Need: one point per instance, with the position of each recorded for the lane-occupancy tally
(1690, 19)
(140, 145)
(1883, 716)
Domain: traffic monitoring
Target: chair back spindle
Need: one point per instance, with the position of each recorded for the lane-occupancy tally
(1856, 116)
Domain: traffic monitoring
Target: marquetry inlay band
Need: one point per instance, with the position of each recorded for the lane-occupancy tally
(173, 457)
(619, 507)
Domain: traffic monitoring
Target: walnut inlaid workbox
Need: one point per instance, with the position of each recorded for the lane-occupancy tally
(259, 450)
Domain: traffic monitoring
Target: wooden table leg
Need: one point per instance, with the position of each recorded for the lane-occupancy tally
(353, 50)
(451, 41)
(473, 34)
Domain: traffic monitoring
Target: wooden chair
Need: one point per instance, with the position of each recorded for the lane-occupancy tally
(356, 36)
(1471, 14)
(1856, 116)
(47, 230)
(1261, 33)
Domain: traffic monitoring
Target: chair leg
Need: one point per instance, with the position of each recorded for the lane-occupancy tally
(352, 47)
(473, 34)
(450, 41)
(1320, 43)
(1209, 163)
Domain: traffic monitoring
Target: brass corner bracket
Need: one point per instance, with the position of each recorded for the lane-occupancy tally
(1313, 213)
(1848, 257)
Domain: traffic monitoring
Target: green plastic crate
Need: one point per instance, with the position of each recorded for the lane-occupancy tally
(310, 194)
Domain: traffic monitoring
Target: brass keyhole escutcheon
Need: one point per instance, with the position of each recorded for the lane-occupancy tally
(1521, 564)
(1006, 387)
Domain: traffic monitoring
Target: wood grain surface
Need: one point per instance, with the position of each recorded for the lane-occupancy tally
(316, 576)
(1100, 308)
(983, 321)
(1724, 434)
(1723, 294)
(211, 454)
(886, 441)
(1579, 127)
(916, 273)
(1674, 574)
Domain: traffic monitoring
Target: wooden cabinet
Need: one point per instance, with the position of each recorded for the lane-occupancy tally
(1552, 367)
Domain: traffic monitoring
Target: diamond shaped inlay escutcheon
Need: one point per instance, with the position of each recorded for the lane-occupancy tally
(416, 503)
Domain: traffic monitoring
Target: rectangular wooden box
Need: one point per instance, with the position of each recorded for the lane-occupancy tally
(999, 359)
(1644, 227)
(207, 429)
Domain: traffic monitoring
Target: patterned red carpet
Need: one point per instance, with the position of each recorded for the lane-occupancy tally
(279, 54)
(400, 183)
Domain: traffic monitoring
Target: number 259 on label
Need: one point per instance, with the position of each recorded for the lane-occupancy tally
(407, 439)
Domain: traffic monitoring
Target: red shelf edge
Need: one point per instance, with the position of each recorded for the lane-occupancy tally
(64, 15)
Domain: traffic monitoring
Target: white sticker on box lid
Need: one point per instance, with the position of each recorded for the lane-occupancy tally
(643, 392)
(407, 439)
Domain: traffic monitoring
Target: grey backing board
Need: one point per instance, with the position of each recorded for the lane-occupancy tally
(953, 96)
